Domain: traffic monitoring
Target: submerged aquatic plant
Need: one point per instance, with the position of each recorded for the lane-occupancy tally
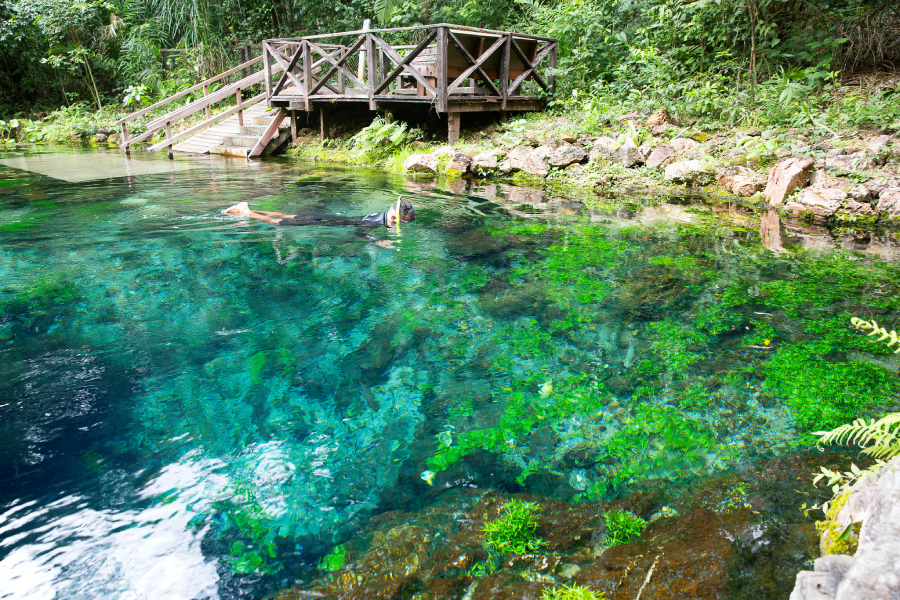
(572, 592)
(622, 527)
(334, 560)
(514, 529)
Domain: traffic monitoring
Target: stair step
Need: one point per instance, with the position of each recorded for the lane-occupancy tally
(244, 141)
(256, 130)
(239, 151)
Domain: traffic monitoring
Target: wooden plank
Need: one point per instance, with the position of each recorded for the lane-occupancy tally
(279, 58)
(284, 75)
(454, 120)
(370, 67)
(460, 28)
(504, 70)
(531, 67)
(271, 130)
(307, 68)
(403, 64)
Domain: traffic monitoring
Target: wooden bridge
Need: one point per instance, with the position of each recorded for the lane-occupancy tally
(450, 69)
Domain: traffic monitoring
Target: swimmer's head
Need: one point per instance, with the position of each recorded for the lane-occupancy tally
(402, 211)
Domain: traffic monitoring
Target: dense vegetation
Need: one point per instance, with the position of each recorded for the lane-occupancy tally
(800, 62)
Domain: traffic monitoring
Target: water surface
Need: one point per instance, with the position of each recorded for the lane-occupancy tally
(195, 406)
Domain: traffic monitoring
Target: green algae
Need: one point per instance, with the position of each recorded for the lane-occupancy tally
(622, 527)
(514, 530)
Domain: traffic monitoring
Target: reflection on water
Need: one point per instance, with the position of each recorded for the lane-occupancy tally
(196, 406)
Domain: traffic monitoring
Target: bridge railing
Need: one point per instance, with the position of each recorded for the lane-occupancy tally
(448, 64)
(226, 91)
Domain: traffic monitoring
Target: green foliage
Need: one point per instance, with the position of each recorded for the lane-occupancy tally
(334, 560)
(878, 439)
(622, 527)
(824, 393)
(884, 335)
(258, 553)
(572, 592)
(677, 345)
(514, 529)
(380, 139)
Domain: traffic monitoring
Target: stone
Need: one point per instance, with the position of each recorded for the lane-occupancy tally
(602, 148)
(661, 130)
(99, 137)
(515, 160)
(689, 172)
(661, 155)
(822, 203)
(683, 144)
(567, 155)
(538, 162)
(575, 170)
(786, 177)
(741, 136)
(877, 144)
(889, 202)
(628, 154)
(459, 163)
(645, 149)
(856, 161)
(421, 163)
(444, 151)
(660, 117)
(873, 571)
(740, 181)
(485, 162)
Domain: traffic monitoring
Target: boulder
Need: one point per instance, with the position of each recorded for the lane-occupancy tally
(421, 163)
(661, 130)
(99, 137)
(459, 163)
(683, 144)
(629, 154)
(820, 202)
(889, 202)
(538, 162)
(660, 117)
(575, 170)
(444, 151)
(661, 155)
(645, 149)
(873, 571)
(876, 144)
(689, 172)
(485, 162)
(602, 148)
(786, 177)
(741, 181)
(515, 160)
(856, 161)
(567, 155)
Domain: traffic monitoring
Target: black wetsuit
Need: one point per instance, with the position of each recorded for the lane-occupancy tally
(373, 220)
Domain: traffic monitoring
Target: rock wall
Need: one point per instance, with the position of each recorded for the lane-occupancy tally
(873, 573)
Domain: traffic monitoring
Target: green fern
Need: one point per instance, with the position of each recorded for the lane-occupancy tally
(878, 330)
(878, 439)
(380, 139)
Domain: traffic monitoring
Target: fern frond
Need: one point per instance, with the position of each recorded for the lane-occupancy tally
(878, 439)
(891, 336)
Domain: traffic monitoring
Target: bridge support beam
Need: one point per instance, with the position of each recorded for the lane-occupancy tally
(324, 125)
(454, 120)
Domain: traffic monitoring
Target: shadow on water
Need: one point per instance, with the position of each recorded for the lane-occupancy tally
(225, 402)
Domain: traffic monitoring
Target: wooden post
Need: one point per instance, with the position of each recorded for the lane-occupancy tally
(370, 66)
(125, 139)
(552, 76)
(503, 116)
(169, 137)
(307, 74)
(441, 68)
(453, 123)
(293, 126)
(268, 69)
(323, 124)
(205, 94)
(239, 102)
(504, 71)
(342, 84)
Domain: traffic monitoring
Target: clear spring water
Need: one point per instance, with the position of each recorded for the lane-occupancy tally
(194, 406)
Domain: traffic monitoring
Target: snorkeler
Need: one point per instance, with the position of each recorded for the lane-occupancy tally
(401, 211)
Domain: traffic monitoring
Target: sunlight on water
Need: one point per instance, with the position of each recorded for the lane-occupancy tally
(197, 406)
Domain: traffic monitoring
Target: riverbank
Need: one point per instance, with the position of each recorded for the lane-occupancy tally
(818, 175)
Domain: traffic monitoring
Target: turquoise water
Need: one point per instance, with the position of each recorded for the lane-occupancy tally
(195, 406)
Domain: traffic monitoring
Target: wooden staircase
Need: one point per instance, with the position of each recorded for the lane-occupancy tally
(231, 138)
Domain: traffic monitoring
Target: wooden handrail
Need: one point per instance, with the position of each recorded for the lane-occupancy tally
(522, 36)
(200, 127)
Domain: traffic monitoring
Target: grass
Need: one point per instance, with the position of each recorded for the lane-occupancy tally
(514, 530)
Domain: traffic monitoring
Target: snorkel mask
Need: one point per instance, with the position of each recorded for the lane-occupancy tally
(402, 210)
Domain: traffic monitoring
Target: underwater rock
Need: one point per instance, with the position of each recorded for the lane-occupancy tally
(650, 293)
(583, 456)
(619, 385)
(507, 586)
(476, 243)
(523, 299)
